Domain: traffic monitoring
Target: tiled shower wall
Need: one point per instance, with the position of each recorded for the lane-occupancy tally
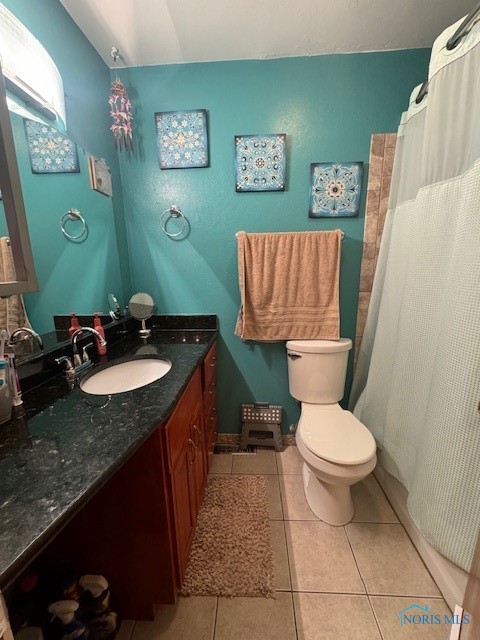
(382, 151)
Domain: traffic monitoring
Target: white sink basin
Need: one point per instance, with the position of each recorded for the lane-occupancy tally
(125, 376)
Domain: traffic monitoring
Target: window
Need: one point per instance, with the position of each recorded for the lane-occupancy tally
(29, 71)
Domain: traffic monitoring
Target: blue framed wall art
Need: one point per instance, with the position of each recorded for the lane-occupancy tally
(182, 138)
(335, 189)
(260, 162)
(50, 151)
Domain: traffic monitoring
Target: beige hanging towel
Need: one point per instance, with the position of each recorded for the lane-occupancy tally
(12, 309)
(289, 285)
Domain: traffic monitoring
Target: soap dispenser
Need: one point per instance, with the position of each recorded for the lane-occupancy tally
(74, 324)
(65, 611)
(97, 324)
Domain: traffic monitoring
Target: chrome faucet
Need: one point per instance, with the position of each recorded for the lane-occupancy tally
(77, 360)
(79, 364)
(15, 337)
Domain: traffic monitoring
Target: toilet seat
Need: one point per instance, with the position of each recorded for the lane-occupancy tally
(335, 435)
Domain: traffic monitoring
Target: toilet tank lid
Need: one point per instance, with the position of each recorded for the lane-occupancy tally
(319, 346)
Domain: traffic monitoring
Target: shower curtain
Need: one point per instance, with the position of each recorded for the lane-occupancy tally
(417, 382)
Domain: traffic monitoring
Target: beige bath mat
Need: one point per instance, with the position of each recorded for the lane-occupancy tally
(231, 551)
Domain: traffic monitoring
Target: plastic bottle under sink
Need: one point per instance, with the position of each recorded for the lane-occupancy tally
(95, 607)
(66, 612)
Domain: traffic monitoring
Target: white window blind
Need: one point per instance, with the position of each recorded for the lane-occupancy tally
(28, 66)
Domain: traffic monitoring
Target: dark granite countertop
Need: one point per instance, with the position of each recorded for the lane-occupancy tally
(54, 458)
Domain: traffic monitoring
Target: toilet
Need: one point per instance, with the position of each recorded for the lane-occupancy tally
(337, 449)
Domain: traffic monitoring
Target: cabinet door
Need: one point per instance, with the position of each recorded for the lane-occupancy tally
(200, 459)
(185, 502)
(209, 366)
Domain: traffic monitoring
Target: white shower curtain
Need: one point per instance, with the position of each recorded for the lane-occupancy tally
(417, 382)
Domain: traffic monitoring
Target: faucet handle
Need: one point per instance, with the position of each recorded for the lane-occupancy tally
(85, 356)
(67, 361)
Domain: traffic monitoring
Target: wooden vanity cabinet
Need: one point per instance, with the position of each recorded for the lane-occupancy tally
(187, 471)
(137, 530)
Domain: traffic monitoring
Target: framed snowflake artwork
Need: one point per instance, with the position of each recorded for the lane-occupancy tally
(182, 138)
(50, 151)
(335, 189)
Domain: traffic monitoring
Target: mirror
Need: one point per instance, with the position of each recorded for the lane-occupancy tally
(115, 309)
(141, 307)
(18, 270)
(63, 191)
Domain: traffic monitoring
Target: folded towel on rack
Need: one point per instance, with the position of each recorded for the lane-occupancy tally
(289, 285)
(12, 309)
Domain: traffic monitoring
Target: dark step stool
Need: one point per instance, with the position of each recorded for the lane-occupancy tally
(261, 425)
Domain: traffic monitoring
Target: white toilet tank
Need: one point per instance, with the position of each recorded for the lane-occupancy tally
(317, 369)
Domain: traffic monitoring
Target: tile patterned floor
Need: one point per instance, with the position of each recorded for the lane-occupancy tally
(333, 583)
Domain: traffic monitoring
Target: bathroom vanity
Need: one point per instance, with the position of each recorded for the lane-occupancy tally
(113, 485)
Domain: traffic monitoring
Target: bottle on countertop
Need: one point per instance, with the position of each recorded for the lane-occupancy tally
(97, 324)
(5, 395)
(74, 324)
(66, 612)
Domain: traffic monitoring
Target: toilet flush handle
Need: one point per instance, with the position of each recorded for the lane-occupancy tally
(294, 356)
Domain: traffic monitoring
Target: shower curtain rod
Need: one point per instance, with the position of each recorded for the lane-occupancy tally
(453, 41)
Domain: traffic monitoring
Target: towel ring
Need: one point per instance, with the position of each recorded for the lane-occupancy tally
(73, 214)
(173, 212)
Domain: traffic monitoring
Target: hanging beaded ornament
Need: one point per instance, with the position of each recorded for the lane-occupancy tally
(121, 114)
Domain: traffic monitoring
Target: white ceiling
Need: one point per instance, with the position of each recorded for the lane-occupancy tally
(167, 31)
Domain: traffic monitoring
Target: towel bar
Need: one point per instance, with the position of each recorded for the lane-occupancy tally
(343, 233)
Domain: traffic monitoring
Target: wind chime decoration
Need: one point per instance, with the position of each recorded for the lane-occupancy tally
(120, 112)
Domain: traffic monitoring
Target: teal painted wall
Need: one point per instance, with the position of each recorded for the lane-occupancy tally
(74, 277)
(328, 106)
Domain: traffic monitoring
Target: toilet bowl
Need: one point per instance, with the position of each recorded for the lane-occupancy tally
(337, 449)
